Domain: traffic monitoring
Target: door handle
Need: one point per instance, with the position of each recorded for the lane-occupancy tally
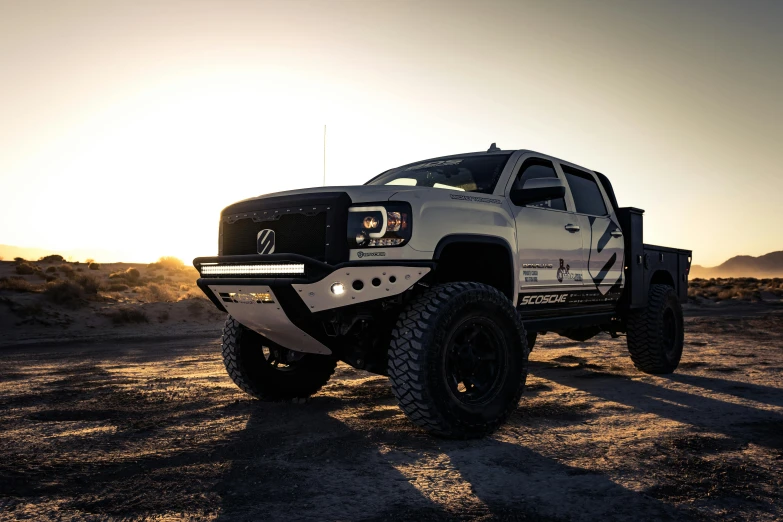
(572, 228)
(616, 233)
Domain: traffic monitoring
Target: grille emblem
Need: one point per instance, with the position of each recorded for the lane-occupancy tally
(265, 241)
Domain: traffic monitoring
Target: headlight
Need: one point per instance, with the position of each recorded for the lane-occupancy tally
(381, 225)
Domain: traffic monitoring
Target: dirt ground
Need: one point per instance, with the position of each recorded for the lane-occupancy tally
(156, 430)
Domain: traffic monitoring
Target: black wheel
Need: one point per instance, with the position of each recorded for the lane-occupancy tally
(656, 333)
(458, 360)
(268, 371)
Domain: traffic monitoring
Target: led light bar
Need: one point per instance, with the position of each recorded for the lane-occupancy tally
(255, 269)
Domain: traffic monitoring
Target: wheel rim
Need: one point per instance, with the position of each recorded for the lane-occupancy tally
(280, 359)
(669, 333)
(475, 361)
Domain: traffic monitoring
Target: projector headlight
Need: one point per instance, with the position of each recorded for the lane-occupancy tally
(379, 225)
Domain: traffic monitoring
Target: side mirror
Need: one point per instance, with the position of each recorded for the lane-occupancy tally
(538, 189)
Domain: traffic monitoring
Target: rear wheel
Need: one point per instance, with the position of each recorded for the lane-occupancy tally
(269, 371)
(458, 360)
(656, 333)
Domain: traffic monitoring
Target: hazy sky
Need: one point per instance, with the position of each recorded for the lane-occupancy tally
(127, 126)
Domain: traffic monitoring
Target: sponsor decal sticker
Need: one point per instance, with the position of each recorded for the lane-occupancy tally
(564, 272)
(441, 163)
(537, 265)
(543, 299)
(531, 276)
(476, 199)
(361, 254)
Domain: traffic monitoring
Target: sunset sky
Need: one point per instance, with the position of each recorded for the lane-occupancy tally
(125, 127)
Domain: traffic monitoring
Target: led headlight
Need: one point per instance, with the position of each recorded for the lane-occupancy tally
(379, 225)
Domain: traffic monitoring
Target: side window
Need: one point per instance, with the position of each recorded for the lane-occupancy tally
(539, 168)
(585, 191)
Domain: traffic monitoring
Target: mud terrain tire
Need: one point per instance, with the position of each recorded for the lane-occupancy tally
(251, 359)
(656, 333)
(458, 334)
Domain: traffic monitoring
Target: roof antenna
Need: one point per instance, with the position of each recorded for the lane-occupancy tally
(493, 148)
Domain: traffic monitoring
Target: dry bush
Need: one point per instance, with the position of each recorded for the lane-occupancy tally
(167, 262)
(54, 258)
(89, 284)
(51, 278)
(131, 274)
(51, 269)
(127, 316)
(155, 293)
(94, 266)
(66, 293)
(89, 260)
(194, 293)
(18, 284)
(118, 287)
(24, 269)
(66, 269)
(19, 260)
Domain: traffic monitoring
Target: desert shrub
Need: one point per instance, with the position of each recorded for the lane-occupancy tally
(170, 263)
(66, 269)
(89, 260)
(127, 316)
(51, 278)
(54, 258)
(89, 284)
(193, 293)
(24, 269)
(67, 293)
(94, 266)
(158, 294)
(131, 274)
(18, 284)
(51, 269)
(19, 260)
(118, 287)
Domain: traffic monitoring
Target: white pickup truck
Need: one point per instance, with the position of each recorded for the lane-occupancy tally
(439, 274)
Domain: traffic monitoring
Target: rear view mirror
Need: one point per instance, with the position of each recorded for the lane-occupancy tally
(538, 189)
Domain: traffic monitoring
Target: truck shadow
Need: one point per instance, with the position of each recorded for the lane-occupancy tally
(729, 418)
(361, 459)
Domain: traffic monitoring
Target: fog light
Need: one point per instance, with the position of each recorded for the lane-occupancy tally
(338, 289)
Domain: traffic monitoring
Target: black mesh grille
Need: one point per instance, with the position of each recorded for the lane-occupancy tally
(294, 234)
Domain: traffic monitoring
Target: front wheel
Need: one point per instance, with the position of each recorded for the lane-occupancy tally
(269, 371)
(458, 360)
(656, 333)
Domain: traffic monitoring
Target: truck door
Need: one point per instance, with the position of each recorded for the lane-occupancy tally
(549, 238)
(601, 234)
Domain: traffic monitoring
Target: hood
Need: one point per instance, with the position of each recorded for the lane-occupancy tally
(357, 193)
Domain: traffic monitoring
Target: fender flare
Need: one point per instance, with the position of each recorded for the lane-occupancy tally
(479, 238)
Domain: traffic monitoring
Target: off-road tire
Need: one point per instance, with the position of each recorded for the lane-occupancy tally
(419, 348)
(652, 349)
(249, 369)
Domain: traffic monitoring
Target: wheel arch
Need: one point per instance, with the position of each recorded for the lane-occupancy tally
(662, 277)
(457, 260)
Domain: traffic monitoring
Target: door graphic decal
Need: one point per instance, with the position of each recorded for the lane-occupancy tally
(601, 260)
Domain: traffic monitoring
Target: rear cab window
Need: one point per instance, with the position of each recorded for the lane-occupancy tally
(585, 192)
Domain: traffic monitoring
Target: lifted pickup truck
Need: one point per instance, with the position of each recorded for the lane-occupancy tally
(440, 274)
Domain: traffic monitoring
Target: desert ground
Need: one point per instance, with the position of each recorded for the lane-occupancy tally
(138, 420)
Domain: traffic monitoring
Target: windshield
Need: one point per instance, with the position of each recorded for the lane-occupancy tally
(478, 173)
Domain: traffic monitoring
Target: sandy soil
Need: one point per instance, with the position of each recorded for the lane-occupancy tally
(156, 430)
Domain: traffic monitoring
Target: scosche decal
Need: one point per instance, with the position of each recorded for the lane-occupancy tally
(537, 265)
(430, 164)
(543, 299)
(361, 254)
(564, 272)
(476, 199)
(574, 298)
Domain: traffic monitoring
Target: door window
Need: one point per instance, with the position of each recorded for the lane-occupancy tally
(539, 168)
(587, 196)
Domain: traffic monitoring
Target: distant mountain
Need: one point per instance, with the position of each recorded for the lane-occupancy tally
(768, 265)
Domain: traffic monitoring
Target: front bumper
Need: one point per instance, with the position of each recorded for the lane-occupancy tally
(289, 310)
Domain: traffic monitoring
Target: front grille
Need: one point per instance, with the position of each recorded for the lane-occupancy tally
(294, 234)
